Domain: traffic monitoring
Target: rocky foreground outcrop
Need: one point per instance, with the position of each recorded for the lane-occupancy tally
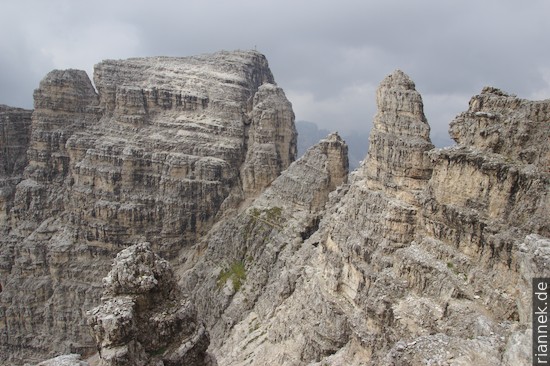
(144, 318)
(420, 256)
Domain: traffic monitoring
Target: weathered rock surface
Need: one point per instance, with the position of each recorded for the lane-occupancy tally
(421, 256)
(15, 135)
(162, 148)
(497, 122)
(396, 163)
(64, 360)
(144, 318)
(252, 261)
(424, 257)
(15, 127)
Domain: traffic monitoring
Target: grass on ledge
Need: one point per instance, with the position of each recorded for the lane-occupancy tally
(237, 274)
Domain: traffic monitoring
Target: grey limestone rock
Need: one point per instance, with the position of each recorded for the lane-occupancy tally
(424, 257)
(420, 256)
(64, 360)
(497, 122)
(253, 260)
(164, 147)
(144, 318)
(272, 139)
(396, 161)
(15, 135)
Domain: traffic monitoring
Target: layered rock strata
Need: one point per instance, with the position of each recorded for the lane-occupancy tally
(396, 163)
(153, 155)
(144, 318)
(252, 261)
(440, 276)
(15, 130)
(421, 256)
(328, 307)
(15, 127)
(424, 257)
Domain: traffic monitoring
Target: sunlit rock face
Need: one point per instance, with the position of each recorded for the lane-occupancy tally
(396, 162)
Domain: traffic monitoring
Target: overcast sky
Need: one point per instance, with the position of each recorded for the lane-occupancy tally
(328, 56)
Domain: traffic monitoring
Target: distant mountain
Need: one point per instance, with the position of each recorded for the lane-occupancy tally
(309, 134)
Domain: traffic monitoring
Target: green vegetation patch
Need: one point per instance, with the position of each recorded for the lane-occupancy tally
(274, 213)
(158, 352)
(271, 217)
(236, 273)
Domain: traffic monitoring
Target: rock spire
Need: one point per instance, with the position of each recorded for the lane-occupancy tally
(396, 161)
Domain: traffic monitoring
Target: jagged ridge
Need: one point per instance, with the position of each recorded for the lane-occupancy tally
(422, 255)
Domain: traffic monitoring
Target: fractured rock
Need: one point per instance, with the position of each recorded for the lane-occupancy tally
(15, 128)
(396, 161)
(64, 360)
(497, 122)
(422, 255)
(144, 318)
(253, 260)
(162, 149)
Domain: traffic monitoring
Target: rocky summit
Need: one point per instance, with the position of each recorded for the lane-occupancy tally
(421, 256)
(157, 154)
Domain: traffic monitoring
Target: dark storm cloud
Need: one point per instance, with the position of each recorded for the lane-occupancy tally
(329, 56)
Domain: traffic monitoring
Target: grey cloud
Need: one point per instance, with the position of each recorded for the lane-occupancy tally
(329, 56)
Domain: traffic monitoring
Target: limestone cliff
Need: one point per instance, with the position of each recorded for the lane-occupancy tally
(161, 148)
(420, 256)
(252, 261)
(424, 257)
(396, 163)
(15, 124)
(15, 130)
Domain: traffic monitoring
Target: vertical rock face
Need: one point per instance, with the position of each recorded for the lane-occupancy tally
(65, 102)
(421, 256)
(15, 129)
(152, 156)
(349, 273)
(424, 257)
(497, 122)
(271, 139)
(253, 260)
(144, 319)
(15, 126)
(396, 162)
